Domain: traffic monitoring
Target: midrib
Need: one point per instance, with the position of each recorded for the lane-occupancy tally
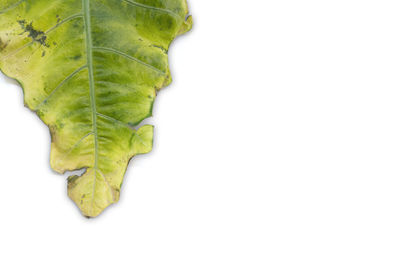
(89, 52)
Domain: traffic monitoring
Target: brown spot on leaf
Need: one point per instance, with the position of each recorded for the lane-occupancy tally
(36, 35)
(3, 44)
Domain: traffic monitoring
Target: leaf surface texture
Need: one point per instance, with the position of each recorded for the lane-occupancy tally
(91, 69)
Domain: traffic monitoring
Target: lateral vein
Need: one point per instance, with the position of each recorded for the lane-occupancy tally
(163, 10)
(115, 120)
(12, 6)
(60, 85)
(115, 51)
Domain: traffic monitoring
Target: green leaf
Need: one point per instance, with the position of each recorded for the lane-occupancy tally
(90, 69)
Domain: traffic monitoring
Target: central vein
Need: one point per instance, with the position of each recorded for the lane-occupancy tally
(89, 52)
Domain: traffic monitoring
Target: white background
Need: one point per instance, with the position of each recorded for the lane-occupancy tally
(278, 144)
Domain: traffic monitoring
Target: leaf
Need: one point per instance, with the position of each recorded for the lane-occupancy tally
(90, 69)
